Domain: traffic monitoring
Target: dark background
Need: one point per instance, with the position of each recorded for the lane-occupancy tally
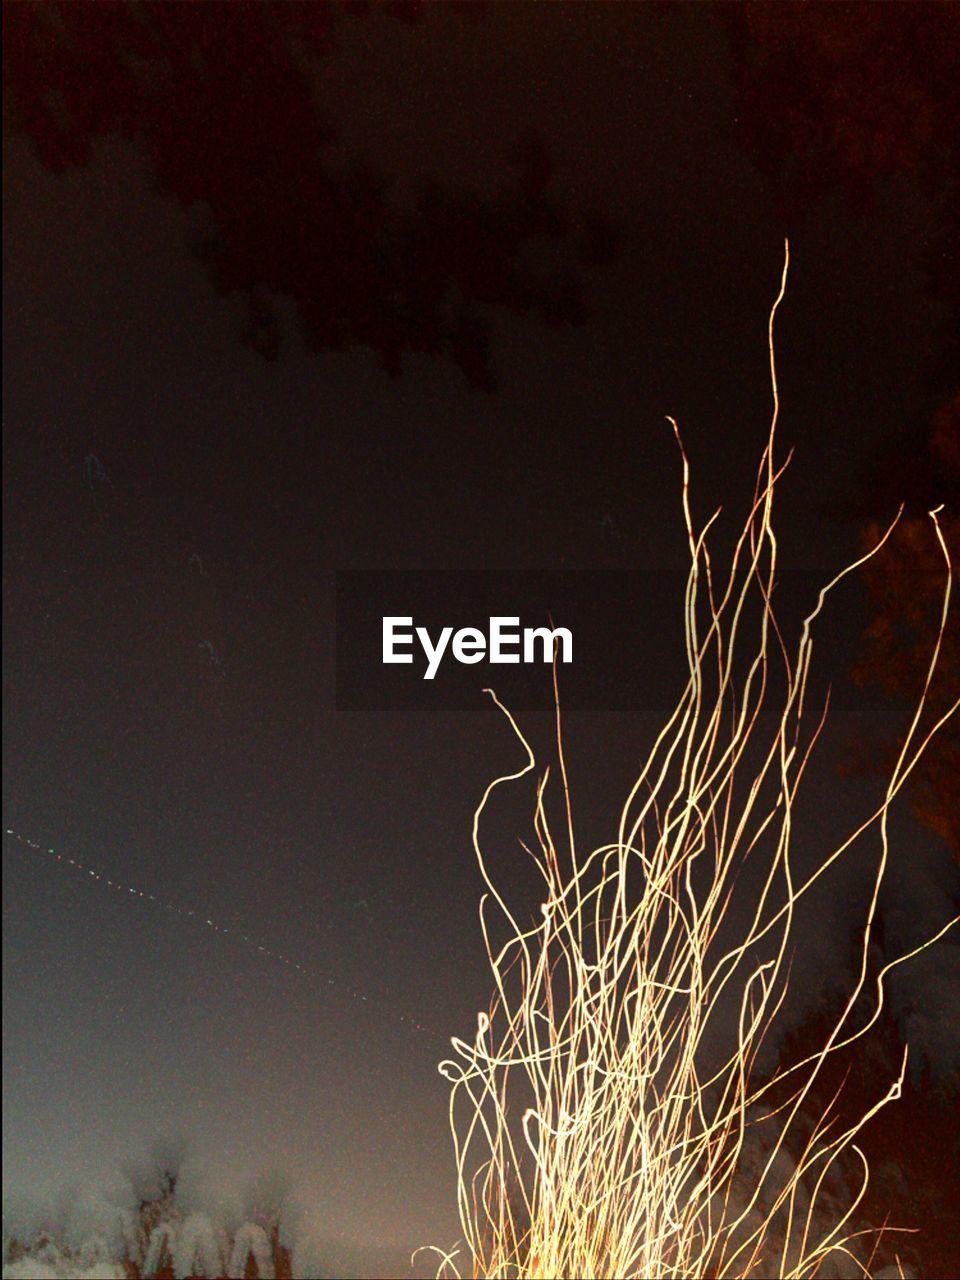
(292, 289)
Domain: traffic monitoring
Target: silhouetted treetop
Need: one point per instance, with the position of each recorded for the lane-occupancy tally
(221, 97)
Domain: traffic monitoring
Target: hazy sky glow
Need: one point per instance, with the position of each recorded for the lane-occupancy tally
(176, 506)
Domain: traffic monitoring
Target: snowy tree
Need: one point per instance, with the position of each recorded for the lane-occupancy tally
(251, 1257)
(198, 1251)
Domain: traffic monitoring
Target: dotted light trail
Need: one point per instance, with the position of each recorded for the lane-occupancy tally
(200, 918)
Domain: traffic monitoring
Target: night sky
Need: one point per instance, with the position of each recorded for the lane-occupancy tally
(409, 289)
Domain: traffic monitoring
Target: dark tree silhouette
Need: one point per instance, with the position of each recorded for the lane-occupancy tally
(905, 588)
(219, 96)
(843, 98)
(911, 1144)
